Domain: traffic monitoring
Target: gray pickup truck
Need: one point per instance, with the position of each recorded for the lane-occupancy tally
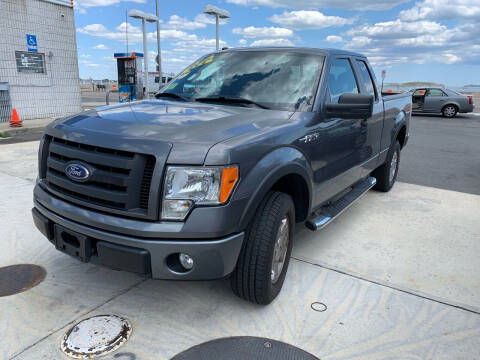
(210, 178)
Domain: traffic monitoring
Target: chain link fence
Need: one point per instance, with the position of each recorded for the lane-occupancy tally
(5, 106)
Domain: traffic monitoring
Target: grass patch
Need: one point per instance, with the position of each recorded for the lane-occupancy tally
(4, 135)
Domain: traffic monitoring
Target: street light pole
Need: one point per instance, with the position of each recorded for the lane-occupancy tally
(137, 14)
(145, 56)
(159, 51)
(219, 14)
(218, 36)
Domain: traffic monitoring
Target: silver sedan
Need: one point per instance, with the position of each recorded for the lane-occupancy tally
(437, 100)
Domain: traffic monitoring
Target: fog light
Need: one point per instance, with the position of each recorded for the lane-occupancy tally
(186, 261)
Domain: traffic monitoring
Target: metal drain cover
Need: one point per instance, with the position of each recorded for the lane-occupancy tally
(96, 336)
(17, 278)
(244, 348)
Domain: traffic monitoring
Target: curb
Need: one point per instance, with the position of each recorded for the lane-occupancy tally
(12, 131)
(28, 127)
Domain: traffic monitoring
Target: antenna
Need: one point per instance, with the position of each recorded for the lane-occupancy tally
(384, 73)
(126, 28)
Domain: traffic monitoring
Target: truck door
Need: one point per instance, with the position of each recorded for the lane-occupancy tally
(371, 128)
(434, 100)
(337, 152)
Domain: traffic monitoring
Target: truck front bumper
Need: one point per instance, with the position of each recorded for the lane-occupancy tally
(158, 257)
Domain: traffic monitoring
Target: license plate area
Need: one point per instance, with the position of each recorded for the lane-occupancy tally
(72, 243)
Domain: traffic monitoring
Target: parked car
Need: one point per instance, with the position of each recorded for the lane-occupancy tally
(211, 178)
(437, 100)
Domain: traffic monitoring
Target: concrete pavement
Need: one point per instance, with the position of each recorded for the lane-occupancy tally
(443, 153)
(391, 271)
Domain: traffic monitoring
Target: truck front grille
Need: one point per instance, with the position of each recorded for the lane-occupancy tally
(120, 180)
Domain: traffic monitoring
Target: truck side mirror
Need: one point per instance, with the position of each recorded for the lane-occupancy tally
(351, 106)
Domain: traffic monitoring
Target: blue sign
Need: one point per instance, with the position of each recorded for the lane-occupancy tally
(32, 43)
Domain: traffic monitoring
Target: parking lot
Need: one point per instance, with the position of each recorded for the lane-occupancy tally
(398, 273)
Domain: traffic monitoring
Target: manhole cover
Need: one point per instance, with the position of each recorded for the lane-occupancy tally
(244, 348)
(96, 336)
(318, 306)
(17, 278)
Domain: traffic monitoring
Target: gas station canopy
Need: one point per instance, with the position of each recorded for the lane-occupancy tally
(133, 55)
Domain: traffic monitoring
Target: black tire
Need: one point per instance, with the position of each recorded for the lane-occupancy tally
(252, 278)
(382, 174)
(449, 111)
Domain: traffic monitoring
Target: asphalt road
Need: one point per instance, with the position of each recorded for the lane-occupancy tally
(443, 153)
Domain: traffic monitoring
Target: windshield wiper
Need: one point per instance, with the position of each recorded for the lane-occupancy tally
(171, 95)
(234, 100)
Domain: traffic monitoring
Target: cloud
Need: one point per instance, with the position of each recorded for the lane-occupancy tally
(135, 35)
(109, 59)
(85, 56)
(100, 47)
(333, 39)
(88, 63)
(93, 3)
(177, 22)
(199, 46)
(442, 10)
(253, 32)
(272, 42)
(325, 4)
(81, 5)
(398, 29)
(418, 42)
(308, 19)
(207, 19)
(449, 58)
(242, 42)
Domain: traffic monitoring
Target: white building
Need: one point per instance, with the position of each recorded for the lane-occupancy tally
(38, 57)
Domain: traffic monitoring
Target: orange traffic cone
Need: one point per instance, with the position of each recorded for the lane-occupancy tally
(15, 120)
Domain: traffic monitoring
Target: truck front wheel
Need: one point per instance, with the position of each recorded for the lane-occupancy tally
(265, 255)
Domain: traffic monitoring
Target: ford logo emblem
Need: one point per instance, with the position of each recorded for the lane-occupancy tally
(77, 172)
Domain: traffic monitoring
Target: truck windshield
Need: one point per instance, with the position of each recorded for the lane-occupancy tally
(270, 79)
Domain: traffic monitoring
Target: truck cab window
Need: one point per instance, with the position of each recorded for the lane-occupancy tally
(341, 79)
(367, 78)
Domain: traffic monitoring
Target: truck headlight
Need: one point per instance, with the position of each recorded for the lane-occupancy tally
(188, 186)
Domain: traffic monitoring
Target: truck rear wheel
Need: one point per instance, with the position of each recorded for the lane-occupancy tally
(386, 174)
(265, 255)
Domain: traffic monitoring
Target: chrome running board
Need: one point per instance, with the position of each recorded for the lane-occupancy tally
(328, 213)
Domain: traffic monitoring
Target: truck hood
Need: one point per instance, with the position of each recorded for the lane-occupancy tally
(151, 126)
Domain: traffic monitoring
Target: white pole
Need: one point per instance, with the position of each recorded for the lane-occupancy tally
(159, 51)
(145, 56)
(216, 24)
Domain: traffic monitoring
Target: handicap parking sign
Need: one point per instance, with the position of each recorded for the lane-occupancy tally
(32, 43)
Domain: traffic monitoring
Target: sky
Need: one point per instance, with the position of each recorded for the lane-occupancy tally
(426, 40)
